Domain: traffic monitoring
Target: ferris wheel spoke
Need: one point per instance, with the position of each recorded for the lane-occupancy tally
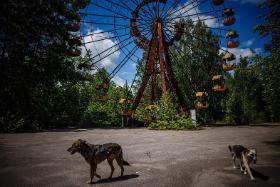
(205, 19)
(147, 13)
(219, 20)
(109, 10)
(109, 53)
(172, 8)
(153, 8)
(200, 13)
(106, 31)
(103, 15)
(175, 10)
(217, 28)
(123, 62)
(189, 9)
(147, 34)
(203, 41)
(167, 31)
(119, 5)
(107, 38)
(112, 47)
(102, 23)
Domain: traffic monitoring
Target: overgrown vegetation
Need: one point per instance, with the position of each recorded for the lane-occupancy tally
(166, 117)
(42, 87)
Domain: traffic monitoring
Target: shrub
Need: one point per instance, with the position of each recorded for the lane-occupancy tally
(179, 123)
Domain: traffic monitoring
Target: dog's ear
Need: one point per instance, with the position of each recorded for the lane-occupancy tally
(82, 141)
(230, 149)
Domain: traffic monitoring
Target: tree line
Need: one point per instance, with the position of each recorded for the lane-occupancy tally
(41, 86)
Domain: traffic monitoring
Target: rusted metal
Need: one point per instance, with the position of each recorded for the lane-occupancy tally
(169, 70)
(148, 71)
(158, 47)
(161, 53)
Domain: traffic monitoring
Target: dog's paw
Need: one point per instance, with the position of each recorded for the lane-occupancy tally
(90, 182)
(253, 179)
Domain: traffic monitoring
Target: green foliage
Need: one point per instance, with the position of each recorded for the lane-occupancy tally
(165, 108)
(179, 123)
(165, 115)
(34, 60)
(195, 60)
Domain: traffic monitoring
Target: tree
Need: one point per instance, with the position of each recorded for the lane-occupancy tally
(196, 59)
(271, 64)
(34, 48)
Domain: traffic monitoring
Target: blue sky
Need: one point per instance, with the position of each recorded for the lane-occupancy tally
(247, 16)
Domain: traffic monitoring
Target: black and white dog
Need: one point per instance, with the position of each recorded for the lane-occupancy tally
(246, 156)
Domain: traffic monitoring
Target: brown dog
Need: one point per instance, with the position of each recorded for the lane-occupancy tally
(246, 157)
(94, 154)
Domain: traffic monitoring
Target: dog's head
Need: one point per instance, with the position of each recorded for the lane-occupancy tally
(252, 153)
(76, 146)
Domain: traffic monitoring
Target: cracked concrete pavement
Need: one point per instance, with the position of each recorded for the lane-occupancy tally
(157, 158)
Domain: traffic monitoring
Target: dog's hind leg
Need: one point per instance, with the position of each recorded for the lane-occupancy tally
(120, 163)
(247, 168)
(110, 161)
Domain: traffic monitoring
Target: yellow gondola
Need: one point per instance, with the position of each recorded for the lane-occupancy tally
(126, 113)
(228, 12)
(73, 27)
(126, 101)
(81, 4)
(102, 90)
(232, 44)
(217, 77)
(150, 107)
(228, 67)
(102, 98)
(201, 94)
(201, 105)
(103, 86)
(229, 21)
(217, 2)
(218, 88)
(87, 77)
(232, 34)
(84, 66)
(229, 57)
(75, 53)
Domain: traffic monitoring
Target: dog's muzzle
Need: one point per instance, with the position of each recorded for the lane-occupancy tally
(71, 150)
(255, 160)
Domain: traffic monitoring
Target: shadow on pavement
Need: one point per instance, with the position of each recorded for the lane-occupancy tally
(259, 175)
(276, 142)
(120, 178)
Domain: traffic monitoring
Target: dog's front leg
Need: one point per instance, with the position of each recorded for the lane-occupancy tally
(247, 168)
(233, 162)
(92, 172)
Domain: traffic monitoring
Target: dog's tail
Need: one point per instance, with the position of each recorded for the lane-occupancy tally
(230, 149)
(125, 163)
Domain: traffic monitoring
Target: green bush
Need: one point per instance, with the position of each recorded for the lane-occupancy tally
(179, 123)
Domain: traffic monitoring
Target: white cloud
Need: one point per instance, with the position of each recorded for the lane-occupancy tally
(256, 2)
(248, 43)
(242, 52)
(98, 47)
(194, 14)
(119, 81)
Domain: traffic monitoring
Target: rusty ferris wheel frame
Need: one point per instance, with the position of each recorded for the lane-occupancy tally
(152, 26)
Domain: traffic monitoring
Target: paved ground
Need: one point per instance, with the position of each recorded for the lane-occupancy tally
(158, 158)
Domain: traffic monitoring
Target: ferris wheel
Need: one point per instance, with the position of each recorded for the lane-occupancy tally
(125, 30)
